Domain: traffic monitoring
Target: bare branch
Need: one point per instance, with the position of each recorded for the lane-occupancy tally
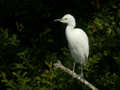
(73, 74)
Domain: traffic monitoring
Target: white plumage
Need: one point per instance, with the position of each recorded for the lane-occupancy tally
(77, 40)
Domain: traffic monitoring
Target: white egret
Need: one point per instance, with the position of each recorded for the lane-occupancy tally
(77, 41)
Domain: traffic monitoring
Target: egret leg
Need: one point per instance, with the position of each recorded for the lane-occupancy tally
(81, 65)
(74, 66)
(81, 74)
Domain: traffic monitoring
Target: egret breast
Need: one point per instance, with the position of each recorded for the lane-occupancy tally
(78, 44)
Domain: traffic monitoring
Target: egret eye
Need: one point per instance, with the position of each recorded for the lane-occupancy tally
(65, 18)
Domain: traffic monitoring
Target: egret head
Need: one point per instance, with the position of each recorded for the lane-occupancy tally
(67, 19)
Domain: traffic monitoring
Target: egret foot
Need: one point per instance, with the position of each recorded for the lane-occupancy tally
(73, 72)
(81, 75)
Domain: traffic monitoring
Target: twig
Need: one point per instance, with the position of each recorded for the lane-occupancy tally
(73, 74)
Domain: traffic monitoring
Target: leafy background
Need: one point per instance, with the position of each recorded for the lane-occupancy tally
(30, 42)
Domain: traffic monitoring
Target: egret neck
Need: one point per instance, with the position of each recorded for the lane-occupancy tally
(70, 26)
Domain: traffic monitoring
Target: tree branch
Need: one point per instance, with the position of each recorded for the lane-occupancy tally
(73, 74)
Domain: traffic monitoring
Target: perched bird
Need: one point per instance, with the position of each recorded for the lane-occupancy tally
(77, 41)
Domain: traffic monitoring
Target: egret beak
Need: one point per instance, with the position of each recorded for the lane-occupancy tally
(57, 20)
